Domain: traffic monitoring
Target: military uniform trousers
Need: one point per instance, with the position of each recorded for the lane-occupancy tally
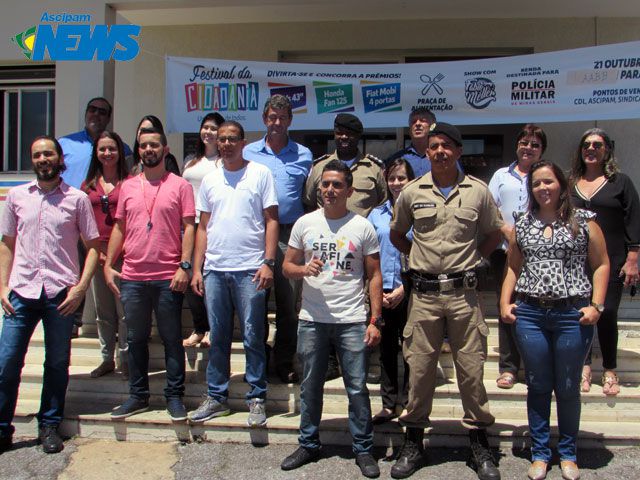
(459, 310)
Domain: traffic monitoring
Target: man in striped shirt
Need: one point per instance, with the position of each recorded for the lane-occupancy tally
(40, 226)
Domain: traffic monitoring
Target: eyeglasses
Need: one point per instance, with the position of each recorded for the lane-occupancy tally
(334, 184)
(232, 139)
(104, 201)
(525, 143)
(595, 145)
(100, 110)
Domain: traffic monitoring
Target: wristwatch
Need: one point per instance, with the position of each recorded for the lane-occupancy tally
(598, 306)
(185, 265)
(377, 321)
(269, 262)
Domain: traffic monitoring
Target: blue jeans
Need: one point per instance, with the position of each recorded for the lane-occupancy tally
(553, 345)
(224, 292)
(139, 298)
(314, 342)
(16, 333)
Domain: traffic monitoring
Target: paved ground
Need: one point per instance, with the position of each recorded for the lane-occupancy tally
(101, 459)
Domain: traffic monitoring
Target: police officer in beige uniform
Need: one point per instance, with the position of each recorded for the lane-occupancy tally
(455, 223)
(369, 186)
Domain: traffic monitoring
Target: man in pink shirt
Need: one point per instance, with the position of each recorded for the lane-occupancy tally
(154, 209)
(40, 226)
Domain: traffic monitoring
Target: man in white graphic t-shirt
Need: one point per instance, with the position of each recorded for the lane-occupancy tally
(334, 251)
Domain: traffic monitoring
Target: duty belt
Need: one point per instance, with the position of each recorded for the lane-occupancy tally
(427, 282)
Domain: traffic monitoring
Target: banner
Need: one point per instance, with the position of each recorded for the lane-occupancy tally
(595, 83)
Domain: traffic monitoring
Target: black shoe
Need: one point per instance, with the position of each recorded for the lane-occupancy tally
(383, 416)
(6, 443)
(373, 378)
(49, 438)
(368, 465)
(176, 409)
(481, 459)
(130, 407)
(300, 457)
(333, 369)
(411, 456)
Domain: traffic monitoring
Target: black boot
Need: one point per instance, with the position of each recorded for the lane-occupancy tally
(481, 459)
(411, 456)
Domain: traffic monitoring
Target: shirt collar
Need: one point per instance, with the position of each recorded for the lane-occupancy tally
(263, 146)
(33, 186)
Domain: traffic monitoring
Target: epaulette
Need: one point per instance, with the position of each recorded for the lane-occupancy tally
(475, 179)
(411, 182)
(323, 157)
(374, 159)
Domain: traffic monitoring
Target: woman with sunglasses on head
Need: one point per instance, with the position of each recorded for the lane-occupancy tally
(508, 186)
(393, 390)
(599, 186)
(205, 160)
(170, 162)
(107, 171)
(552, 250)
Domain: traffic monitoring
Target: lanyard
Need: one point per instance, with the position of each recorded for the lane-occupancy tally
(153, 202)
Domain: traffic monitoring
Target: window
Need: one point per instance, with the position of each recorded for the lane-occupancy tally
(27, 105)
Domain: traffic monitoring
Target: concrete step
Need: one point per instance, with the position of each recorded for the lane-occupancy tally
(112, 389)
(92, 420)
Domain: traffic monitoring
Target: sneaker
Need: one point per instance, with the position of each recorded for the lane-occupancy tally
(50, 439)
(130, 407)
(208, 409)
(257, 414)
(176, 409)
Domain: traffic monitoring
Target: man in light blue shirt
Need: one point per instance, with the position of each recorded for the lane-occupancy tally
(77, 147)
(289, 163)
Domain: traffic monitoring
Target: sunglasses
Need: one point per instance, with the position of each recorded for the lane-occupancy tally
(104, 201)
(595, 145)
(100, 110)
(524, 143)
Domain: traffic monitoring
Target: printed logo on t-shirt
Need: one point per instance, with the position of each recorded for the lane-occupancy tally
(337, 253)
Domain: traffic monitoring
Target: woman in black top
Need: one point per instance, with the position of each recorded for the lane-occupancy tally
(599, 186)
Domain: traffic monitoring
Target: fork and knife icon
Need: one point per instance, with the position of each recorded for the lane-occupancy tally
(431, 83)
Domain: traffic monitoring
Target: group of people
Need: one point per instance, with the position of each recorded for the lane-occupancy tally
(380, 251)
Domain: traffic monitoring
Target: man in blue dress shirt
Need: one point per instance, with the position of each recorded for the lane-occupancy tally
(289, 163)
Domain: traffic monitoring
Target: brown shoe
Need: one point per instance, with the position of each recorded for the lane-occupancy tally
(569, 470)
(537, 470)
(105, 367)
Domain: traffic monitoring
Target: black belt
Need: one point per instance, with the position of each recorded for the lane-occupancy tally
(546, 302)
(444, 282)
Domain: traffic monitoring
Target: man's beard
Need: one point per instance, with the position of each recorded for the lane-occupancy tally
(48, 175)
(151, 161)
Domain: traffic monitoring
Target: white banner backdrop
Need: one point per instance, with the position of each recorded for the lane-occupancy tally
(594, 83)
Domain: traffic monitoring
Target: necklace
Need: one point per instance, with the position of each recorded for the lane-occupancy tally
(153, 202)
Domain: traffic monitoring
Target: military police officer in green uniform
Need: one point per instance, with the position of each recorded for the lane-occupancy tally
(369, 186)
(455, 223)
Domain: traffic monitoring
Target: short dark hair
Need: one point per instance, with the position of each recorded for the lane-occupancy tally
(337, 165)
(422, 111)
(157, 124)
(156, 131)
(57, 145)
(232, 123)
(279, 102)
(104, 100)
(532, 130)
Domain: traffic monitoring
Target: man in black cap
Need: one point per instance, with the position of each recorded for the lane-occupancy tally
(369, 186)
(455, 223)
(370, 189)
